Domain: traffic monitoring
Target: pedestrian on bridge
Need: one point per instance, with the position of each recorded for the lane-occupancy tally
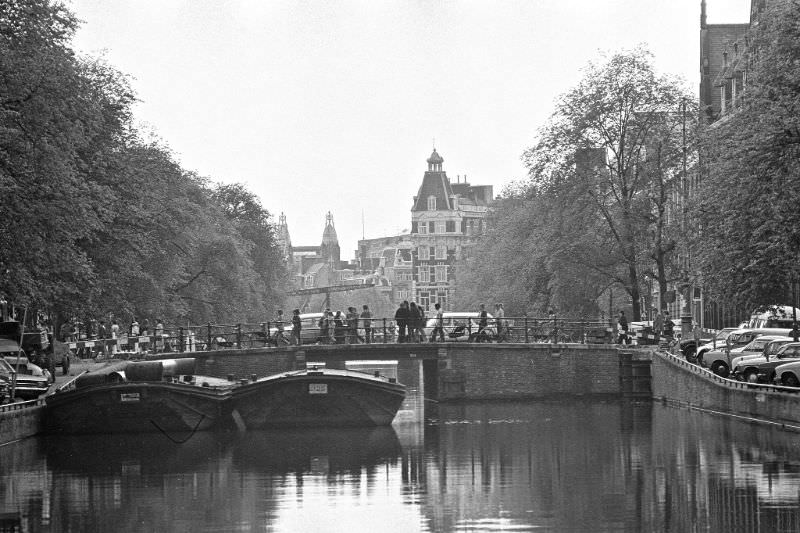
(401, 316)
(439, 324)
(296, 327)
(366, 317)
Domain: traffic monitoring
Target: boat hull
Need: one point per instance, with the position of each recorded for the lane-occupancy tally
(134, 407)
(316, 399)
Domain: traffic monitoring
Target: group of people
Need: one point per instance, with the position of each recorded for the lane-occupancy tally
(663, 328)
(334, 327)
(410, 320)
(100, 330)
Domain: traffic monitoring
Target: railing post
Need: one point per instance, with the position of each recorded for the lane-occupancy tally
(469, 328)
(180, 339)
(265, 333)
(526, 330)
(239, 336)
(384, 330)
(208, 344)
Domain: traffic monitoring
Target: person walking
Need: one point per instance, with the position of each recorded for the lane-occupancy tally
(297, 326)
(421, 322)
(159, 333)
(483, 321)
(413, 322)
(280, 338)
(324, 327)
(102, 333)
(439, 324)
(401, 318)
(338, 328)
(351, 319)
(622, 328)
(114, 336)
(500, 319)
(366, 321)
(658, 326)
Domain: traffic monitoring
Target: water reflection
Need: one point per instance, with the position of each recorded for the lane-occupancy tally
(521, 466)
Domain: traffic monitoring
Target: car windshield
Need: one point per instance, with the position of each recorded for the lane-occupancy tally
(788, 351)
(756, 345)
(722, 335)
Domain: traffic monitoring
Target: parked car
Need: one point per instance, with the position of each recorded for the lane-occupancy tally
(769, 344)
(788, 374)
(31, 382)
(719, 360)
(765, 372)
(717, 342)
(461, 326)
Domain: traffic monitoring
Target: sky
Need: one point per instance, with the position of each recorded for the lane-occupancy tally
(324, 106)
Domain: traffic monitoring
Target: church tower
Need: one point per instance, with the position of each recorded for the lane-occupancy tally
(283, 239)
(329, 249)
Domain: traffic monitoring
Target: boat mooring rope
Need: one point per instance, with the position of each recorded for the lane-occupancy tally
(175, 440)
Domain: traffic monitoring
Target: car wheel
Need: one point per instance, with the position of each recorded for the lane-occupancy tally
(721, 369)
(790, 380)
(750, 376)
(689, 353)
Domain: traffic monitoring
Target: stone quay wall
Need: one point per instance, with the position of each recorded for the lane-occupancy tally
(18, 423)
(676, 381)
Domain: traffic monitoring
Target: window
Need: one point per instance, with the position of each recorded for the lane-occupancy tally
(440, 226)
(424, 253)
(424, 300)
(424, 274)
(441, 273)
(431, 203)
(413, 227)
(450, 226)
(431, 227)
(423, 228)
(441, 252)
(403, 295)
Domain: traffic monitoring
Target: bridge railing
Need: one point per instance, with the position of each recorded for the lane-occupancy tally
(375, 330)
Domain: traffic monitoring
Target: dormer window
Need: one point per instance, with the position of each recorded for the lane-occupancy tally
(431, 203)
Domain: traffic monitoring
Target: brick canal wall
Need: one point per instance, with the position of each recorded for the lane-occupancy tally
(676, 381)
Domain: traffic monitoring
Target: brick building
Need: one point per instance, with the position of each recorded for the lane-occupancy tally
(446, 219)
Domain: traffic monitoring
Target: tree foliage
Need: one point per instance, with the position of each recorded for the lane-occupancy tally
(748, 240)
(594, 213)
(97, 221)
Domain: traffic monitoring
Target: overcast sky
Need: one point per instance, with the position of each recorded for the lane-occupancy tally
(334, 106)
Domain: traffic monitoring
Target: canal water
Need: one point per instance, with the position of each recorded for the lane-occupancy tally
(503, 466)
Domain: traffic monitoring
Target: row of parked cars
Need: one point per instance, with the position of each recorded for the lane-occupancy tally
(753, 355)
(31, 380)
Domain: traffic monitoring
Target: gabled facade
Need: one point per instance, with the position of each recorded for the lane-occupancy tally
(446, 219)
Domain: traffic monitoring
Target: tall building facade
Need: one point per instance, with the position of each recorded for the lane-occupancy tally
(446, 219)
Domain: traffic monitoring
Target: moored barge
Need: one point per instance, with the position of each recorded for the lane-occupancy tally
(136, 397)
(316, 397)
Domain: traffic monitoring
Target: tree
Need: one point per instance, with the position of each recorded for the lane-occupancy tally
(594, 151)
(746, 209)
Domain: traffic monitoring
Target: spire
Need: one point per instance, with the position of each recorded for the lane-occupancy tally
(702, 14)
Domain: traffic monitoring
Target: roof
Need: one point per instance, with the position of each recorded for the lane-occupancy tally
(436, 184)
(435, 158)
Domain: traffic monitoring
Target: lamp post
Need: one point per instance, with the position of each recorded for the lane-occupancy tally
(686, 311)
(794, 308)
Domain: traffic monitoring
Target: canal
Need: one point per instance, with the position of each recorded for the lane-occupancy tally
(578, 465)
